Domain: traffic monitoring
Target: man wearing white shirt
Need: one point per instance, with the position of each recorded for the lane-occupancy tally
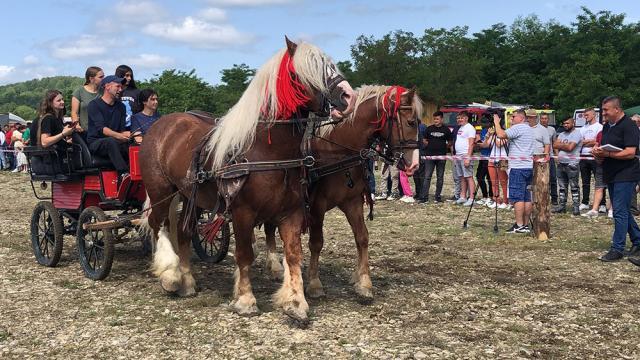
(588, 167)
(465, 141)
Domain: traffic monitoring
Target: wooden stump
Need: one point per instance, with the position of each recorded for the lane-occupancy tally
(540, 189)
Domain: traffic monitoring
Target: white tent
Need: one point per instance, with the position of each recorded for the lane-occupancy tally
(11, 118)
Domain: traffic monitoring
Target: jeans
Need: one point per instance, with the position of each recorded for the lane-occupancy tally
(439, 165)
(621, 193)
(481, 173)
(456, 181)
(553, 180)
(3, 159)
(418, 179)
(587, 167)
(568, 176)
(388, 171)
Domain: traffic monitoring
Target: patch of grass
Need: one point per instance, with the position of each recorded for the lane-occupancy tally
(517, 328)
(68, 284)
(4, 335)
(116, 322)
(490, 292)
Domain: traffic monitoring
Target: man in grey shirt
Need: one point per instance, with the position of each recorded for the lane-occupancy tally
(567, 147)
(553, 184)
(542, 142)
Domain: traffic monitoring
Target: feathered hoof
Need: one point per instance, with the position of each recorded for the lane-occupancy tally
(244, 308)
(315, 290)
(170, 284)
(297, 314)
(365, 294)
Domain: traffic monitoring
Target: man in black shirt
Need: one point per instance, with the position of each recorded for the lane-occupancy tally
(621, 172)
(107, 135)
(436, 140)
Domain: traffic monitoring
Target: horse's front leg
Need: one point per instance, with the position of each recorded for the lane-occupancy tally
(361, 276)
(272, 262)
(244, 302)
(316, 242)
(291, 295)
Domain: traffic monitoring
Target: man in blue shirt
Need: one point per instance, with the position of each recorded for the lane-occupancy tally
(107, 134)
(142, 121)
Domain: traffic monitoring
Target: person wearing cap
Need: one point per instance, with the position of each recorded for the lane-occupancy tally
(521, 142)
(542, 144)
(107, 134)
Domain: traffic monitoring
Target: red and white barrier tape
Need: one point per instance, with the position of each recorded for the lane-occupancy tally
(505, 157)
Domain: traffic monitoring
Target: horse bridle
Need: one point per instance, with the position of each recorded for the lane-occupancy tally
(394, 153)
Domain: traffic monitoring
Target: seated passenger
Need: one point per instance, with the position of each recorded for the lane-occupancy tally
(107, 134)
(49, 129)
(142, 121)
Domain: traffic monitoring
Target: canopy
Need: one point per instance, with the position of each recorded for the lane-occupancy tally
(633, 110)
(11, 118)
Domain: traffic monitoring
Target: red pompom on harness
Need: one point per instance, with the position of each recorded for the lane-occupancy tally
(387, 111)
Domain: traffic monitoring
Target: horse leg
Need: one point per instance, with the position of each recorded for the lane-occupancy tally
(165, 260)
(244, 302)
(272, 263)
(291, 295)
(361, 277)
(316, 242)
(188, 285)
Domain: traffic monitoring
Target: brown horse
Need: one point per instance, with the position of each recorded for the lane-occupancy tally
(388, 114)
(298, 78)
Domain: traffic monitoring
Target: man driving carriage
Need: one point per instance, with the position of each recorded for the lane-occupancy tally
(107, 134)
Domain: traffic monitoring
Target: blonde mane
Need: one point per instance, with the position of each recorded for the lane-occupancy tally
(364, 93)
(237, 129)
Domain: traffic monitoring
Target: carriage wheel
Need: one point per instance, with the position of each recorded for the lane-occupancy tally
(211, 251)
(95, 247)
(46, 234)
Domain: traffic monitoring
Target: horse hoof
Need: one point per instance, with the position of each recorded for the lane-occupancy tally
(315, 292)
(188, 292)
(365, 295)
(245, 309)
(297, 314)
(169, 285)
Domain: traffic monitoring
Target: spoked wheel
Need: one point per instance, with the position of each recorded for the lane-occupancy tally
(211, 249)
(95, 246)
(46, 234)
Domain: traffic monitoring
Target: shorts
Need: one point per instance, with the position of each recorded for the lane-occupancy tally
(461, 170)
(519, 181)
(599, 178)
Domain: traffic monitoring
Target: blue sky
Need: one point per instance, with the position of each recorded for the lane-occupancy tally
(63, 37)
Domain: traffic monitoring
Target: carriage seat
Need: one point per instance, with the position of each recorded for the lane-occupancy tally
(47, 164)
(83, 160)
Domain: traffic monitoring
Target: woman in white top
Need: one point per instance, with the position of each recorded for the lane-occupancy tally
(497, 173)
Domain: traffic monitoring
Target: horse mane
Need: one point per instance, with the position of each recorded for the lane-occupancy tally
(365, 93)
(264, 99)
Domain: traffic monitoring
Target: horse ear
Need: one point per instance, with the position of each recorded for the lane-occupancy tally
(411, 93)
(291, 46)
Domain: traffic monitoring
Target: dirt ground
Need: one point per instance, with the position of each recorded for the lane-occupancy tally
(441, 292)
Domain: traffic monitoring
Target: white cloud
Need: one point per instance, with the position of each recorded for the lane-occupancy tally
(149, 61)
(138, 11)
(85, 46)
(5, 70)
(199, 34)
(30, 60)
(250, 2)
(213, 14)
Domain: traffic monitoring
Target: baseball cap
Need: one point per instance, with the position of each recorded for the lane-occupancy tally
(111, 78)
(531, 112)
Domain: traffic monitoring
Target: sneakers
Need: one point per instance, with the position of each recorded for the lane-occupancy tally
(461, 201)
(602, 209)
(590, 213)
(492, 205)
(452, 199)
(422, 201)
(381, 197)
(503, 206)
(407, 199)
(610, 214)
(611, 256)
(469, 202)
(393, 197)
(438, 199)
(576, 211)
(559, 209)
(584, 207)
(509, 207)
(633, 252)
(518, 229)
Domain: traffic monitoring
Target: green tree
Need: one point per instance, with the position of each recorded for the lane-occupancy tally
(25, 112)
(235, 81)
(180, 91)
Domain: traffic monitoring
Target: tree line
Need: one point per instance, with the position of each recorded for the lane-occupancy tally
(529, 62)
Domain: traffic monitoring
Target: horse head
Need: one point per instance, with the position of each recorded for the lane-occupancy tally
(398, 127)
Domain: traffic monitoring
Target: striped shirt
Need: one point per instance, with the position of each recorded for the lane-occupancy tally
(521, 142)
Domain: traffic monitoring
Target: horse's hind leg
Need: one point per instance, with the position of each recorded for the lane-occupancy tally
(244, 302)
(291, 295)
(272, 263)
(188, 285)
(165, 260)
(316, 241)
(361, 277)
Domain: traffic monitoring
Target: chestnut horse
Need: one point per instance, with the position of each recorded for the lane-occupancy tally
(298, 79)
(388, 115)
